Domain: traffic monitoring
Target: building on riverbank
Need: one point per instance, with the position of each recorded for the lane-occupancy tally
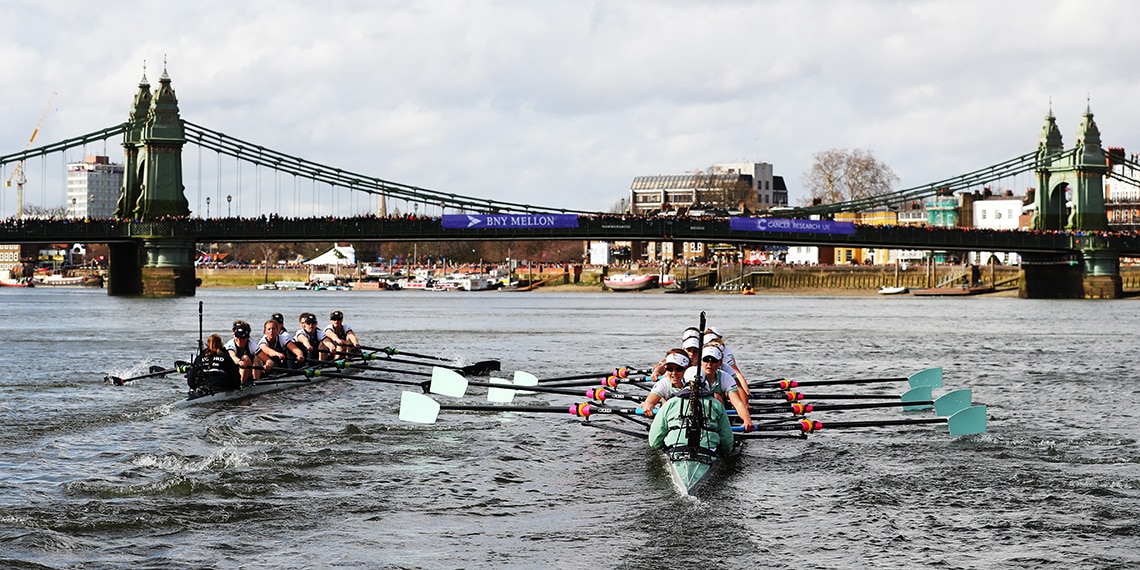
(93, 187)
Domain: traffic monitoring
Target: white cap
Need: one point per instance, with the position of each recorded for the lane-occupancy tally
(677, 358)
(690, 332)
(712, 350)
(715, 331)
(690, 374)
(710, 337)
(691, 342)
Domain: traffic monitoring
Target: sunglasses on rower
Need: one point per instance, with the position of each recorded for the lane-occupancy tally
(674, 368)
(710, 359)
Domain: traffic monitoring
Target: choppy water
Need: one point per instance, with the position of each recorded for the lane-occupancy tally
(326, 476)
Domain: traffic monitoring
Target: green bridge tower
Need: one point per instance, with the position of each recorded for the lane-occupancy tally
(1076, 176)
(152, 190)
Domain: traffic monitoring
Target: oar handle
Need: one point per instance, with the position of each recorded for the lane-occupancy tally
(620, 373)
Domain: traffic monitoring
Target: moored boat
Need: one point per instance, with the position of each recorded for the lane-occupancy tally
(55, 280)
(629, 282)
(25, 282)
(885, 290)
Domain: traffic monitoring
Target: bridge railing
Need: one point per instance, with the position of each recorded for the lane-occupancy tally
(599, 228)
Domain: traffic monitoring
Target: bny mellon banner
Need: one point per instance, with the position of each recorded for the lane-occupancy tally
(509, 221)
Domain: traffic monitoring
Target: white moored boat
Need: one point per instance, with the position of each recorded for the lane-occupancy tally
(628, 282)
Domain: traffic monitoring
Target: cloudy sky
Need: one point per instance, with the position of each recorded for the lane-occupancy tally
(562, 103)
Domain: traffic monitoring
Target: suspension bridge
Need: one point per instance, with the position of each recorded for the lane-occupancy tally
(154, 235)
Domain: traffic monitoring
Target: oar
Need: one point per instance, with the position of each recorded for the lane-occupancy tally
(481, 368)
(310, 373)
(499, 390)
(914, 396)
(488, 365)
(799, 409)
(930, 377)
(621, 372)
(612, 381)
(179, 366)
(970, 420)
(418, 408)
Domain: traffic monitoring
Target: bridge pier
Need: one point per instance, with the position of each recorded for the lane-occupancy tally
(124, 269)
(1102, 274)
(1058, 276)
(153, 268)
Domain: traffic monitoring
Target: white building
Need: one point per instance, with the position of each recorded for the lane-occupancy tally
(93, 187)
(671, 191)
(9, 258)
(997, 213)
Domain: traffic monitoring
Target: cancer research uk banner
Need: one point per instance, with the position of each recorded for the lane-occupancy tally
(791, 226)
(509, 221)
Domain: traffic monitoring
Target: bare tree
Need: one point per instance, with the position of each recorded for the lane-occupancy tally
(839, 175)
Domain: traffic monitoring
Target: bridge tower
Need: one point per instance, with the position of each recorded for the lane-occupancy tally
(152, 190)
(1080, 174)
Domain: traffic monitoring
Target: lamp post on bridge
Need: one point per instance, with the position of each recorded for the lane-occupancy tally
(207, 207)
(229, 200)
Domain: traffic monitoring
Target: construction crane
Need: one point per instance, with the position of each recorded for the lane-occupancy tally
(18, 172)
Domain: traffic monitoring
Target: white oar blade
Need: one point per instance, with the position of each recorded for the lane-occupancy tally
(930, 377)
(525, 379)
(448, 382)
(953, 402)
(418, 408)
(915, 395)
(500, 395)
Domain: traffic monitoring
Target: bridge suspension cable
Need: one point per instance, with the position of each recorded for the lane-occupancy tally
(1014, 166)
(102, 134)
(281, 162)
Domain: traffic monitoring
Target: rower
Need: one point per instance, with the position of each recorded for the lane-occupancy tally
(242, 352)
(711, 357)
(309, 338)
(339, 336)
(668, 431)
(275, 347)
(669, 375)
(213, 369)
(713, 335)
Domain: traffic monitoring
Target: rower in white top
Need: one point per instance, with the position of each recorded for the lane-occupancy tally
(339, 338)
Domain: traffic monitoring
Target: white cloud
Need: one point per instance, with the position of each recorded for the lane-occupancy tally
(563, 103)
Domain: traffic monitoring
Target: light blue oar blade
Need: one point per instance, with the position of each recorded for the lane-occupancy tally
(953, 402)
(418, 408)
(500, 395)
(920, 394)
(448, 382)
(930, 377)
(968, 421)
(525, 379)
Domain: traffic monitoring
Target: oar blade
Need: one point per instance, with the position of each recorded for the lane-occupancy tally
(922, 394)
(448, 382)
(500, 395)
(930, 377)
(481, 368)
(418, 408)
(953, 402)
(969, 421)
(525, 379)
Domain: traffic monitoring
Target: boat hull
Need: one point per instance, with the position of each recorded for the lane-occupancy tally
(631, 283)
(689, 476)
(248, 391)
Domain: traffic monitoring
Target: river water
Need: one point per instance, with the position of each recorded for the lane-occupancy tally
(325, 475)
